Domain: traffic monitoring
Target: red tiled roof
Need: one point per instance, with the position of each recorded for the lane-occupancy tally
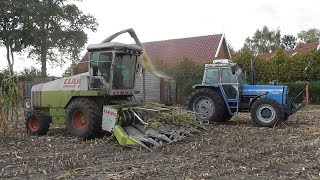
(306, 47)
(200, 49)
(265, 55)
(299, 48)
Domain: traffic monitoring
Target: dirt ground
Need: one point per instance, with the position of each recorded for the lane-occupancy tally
(236, 150)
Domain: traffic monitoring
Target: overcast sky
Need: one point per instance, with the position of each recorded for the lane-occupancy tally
(168, 19)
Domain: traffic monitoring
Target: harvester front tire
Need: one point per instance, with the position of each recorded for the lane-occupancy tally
(266, 112)
(37, 123)
(84, 118)
(208, 105)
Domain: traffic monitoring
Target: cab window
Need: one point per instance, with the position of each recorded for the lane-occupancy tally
(227, 76)
(212, 76)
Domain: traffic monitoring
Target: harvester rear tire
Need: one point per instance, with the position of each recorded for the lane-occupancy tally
(84, 118)
(212, 105)
(266, 112)
(37, 123)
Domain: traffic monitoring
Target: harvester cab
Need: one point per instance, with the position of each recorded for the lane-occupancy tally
(223, 93)
(112, 67)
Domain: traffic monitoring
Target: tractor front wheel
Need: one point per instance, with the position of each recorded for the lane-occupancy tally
(37, 123)
(266, 112)
(84, 118)
(207, 104)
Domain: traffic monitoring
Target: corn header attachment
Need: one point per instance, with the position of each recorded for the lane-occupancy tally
(148, 125)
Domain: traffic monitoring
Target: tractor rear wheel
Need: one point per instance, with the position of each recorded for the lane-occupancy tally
(37, 123)
(84, 118)
(227, 116)
(266, 112)
(208, 105)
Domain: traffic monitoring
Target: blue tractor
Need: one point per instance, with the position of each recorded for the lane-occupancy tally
(223, 93)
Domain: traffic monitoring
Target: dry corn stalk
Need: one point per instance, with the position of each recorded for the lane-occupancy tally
(9, 104)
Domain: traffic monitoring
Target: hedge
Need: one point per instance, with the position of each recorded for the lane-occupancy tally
(314, 91)
(281, 67)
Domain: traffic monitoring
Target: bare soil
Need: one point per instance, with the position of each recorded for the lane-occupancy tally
(236, 150)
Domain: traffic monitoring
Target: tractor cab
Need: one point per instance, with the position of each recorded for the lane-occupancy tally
(227, 76)
(222, 71)
(113, 67)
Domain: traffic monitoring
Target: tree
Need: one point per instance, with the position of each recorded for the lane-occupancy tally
(186, 73)
(288, 42)
(13, 23)
(310, 35)
(58, 32)
(263, 41)
(231, 49)
(29, 74)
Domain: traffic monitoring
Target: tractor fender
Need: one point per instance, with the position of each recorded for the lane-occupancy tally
(255, 98)
(214, 88)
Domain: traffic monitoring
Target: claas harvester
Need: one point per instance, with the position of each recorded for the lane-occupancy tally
(99, 100)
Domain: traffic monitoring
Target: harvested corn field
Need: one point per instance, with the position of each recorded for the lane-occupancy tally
(237, 149)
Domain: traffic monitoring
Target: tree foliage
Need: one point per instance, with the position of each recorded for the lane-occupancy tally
(186, 73)
(301, 67)
(13, 27)
(263, 41)
(52, 29)
(58, 31)
(288, 41)
(29, 74)
(310, 35)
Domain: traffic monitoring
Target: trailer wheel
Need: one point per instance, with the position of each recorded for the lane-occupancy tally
(84, 118)
(208, 105)
(266, 112)
(37, 123)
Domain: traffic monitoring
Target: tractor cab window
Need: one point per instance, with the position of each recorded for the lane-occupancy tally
(227, 76)
(241, 76)
(229, 80)
(212, 76)
(124, 71)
